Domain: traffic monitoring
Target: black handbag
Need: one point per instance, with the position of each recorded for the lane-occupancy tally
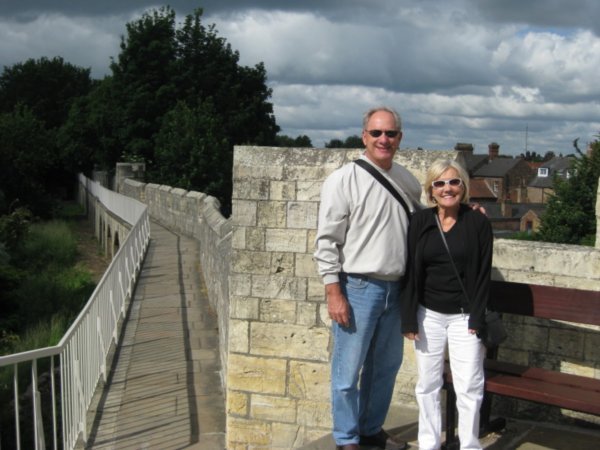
(493, 333)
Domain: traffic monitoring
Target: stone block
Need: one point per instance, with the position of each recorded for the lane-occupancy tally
(240, 284)
(239, 341)
(279, 311)
(591, 348)
(238, 238)
(251, 189)
(305, 265)
(280, 287)
(271, 214)
(282, 263)
(249, 433)
(566, 342)
(283, 190)
(309, 381)
(256, 375)
(302, 214)
(255, 239)
(251, 262)
(242, 307)
(289, 341)
(312, 413)
(243, 213)
(306, 313)
(315, 290)
(309, 191)
(286, 436)
(238, 403)
(532, 337)
(278, 409)
(286, 240)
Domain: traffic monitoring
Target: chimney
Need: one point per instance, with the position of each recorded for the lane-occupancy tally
(464, 147)
(493, 150)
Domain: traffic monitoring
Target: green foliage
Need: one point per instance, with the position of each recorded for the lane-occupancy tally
(570, 217)
(48, 244)
(190, 140)
(39, 278)
(302, 141)
(26, 152)
(46, 86)
(353, 141)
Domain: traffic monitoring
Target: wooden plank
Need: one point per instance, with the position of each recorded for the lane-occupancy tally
(535, 373)
(543, 392)
(573, 305)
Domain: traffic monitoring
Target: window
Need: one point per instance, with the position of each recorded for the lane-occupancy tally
(542, 172)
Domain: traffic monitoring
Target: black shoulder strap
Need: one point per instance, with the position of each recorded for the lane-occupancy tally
(386, 184)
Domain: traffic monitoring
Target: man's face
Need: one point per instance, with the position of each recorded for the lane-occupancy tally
(381, 149)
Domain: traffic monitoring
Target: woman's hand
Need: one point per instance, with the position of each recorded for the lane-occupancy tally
(412, 336)
(472, 331)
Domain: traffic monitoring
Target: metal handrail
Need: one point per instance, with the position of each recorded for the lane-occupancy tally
(83, 350)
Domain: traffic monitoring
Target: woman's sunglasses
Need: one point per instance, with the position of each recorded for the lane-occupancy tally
(438, 184)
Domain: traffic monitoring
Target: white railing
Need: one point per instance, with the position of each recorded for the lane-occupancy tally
(82, 353)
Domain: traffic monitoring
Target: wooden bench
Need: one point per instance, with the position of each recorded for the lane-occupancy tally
(573, 392)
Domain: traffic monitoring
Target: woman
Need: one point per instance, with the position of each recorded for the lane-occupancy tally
(435, 310)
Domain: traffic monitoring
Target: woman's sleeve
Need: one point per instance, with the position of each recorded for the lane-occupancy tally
(482, 285)
(409, 298)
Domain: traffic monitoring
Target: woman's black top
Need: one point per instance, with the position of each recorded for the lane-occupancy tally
(430, 280)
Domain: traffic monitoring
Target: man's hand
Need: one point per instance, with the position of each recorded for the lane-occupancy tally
(477, 207)
(337, 305)
(412, 336)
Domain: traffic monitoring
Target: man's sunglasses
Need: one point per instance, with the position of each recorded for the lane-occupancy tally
(388, 133)
(438, 184)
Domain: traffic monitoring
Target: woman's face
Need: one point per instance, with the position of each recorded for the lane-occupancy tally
(447, 189)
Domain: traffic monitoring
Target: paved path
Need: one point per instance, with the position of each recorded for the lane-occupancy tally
(164, 390)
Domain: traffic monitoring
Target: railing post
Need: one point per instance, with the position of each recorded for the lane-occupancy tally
(16, 395)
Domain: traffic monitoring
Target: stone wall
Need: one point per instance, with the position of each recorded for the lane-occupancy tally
(197, 215)
(272, 312)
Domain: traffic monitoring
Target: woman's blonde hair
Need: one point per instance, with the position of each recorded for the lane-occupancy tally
(436, 170)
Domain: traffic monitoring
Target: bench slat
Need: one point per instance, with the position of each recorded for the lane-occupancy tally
(535, 373)
(572, 305)
(568, 397)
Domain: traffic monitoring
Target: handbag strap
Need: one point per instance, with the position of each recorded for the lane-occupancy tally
(462, 286)
(386, 184)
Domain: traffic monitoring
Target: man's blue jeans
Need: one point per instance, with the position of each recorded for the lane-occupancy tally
(374, 343)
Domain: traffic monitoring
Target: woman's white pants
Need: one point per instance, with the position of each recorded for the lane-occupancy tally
(466, 354)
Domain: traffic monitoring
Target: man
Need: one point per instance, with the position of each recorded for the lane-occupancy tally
(361, 255)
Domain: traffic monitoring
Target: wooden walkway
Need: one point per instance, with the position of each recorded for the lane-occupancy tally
(164, 388)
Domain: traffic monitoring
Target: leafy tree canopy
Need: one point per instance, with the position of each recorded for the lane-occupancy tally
(167, 84)
(571, 214)
(46, 86)
(353, 141)
(303, 141)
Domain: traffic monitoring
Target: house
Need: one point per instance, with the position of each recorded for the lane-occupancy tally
(506, 179)
(541, 188)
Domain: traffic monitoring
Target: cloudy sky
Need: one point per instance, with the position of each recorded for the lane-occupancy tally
(520, 73)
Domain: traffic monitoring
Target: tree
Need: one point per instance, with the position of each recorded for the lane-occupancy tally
(303, 141)
(168, 79)
(47, 87)
(187, 141)
(570, 217)
(26, 161)
(353, 141)
(143, 81)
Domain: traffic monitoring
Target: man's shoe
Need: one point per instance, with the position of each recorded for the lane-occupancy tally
(347, 447)
(383, 440)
